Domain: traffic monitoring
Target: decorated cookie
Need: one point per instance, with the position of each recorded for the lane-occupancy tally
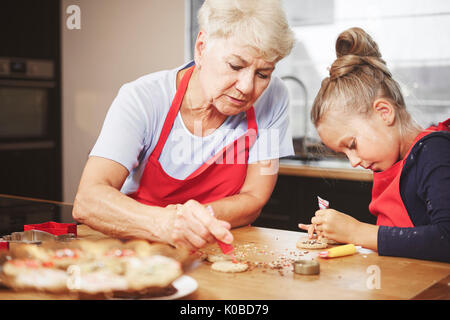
(305, 243)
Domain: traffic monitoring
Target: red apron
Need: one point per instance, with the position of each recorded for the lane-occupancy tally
(387, 204)
(221, 176)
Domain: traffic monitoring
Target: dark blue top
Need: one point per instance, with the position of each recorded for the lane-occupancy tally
(425, 191)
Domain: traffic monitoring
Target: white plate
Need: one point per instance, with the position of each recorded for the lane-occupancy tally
(185, 285)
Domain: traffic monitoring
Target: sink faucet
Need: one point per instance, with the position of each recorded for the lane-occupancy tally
(305, 109)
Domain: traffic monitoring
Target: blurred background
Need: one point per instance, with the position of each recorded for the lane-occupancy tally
(413, 37)
(61, 67)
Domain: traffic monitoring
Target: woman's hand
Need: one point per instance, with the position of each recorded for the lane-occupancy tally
(192, 226)
(334, 225)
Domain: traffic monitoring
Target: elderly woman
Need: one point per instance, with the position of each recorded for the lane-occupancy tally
(188, 153)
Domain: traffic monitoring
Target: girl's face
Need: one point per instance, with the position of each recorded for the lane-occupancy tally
(232, 77)
(367, 142)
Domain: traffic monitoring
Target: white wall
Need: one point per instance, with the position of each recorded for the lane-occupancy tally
(119, 41)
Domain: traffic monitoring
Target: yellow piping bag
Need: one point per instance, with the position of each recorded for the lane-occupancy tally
(340, 251)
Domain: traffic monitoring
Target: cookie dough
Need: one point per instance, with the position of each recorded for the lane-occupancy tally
(229, 266)
(306, 243)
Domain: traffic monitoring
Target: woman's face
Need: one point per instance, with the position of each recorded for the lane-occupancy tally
(367, 142)
(232, 76)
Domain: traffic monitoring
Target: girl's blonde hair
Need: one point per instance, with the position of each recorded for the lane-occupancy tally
(357, 78)
(261, 24)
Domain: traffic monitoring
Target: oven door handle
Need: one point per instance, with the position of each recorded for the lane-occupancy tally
(16, 146)
(28, 83)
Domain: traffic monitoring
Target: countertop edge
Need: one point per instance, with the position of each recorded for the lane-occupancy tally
(323, 172)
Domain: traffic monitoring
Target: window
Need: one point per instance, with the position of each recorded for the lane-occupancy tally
(413, 37)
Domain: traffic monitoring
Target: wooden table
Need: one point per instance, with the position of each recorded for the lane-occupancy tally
(340, 278)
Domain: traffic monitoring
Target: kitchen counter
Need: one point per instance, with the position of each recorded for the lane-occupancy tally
(340, 278)
(327, 169)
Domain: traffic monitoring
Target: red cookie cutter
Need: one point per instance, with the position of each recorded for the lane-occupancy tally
(54, 228)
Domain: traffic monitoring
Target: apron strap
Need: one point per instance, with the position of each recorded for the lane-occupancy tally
(173, 111)
(252, 126)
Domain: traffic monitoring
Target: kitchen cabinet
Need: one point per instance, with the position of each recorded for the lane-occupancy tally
(32, 173)
(294, 200)
(30, 29)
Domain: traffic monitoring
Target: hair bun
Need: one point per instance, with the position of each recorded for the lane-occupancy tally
(356, 41)
(355, 49)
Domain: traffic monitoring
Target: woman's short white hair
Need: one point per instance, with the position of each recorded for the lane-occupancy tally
(261, 24)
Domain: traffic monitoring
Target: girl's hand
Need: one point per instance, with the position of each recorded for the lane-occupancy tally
(193, 226)
(309, 228)
(335, 225)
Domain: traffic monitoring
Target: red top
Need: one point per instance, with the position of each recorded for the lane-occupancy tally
(387, 203)
(221, 176)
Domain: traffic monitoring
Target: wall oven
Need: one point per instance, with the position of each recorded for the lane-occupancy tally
(29, 128)
(26, 94)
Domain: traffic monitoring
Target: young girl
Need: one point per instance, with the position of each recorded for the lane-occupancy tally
(360, 111)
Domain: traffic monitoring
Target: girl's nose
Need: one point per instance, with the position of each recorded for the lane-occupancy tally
(354, 159)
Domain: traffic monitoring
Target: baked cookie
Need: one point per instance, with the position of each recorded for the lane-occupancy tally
(229, 266)
(218, 257)
(329, 241)
(305, 243)
(154, 271)
(93, 269)
(25, 274)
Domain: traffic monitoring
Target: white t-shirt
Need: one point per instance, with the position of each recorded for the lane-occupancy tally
(135, 119)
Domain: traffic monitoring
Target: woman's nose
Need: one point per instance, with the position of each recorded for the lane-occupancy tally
(245, 83)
